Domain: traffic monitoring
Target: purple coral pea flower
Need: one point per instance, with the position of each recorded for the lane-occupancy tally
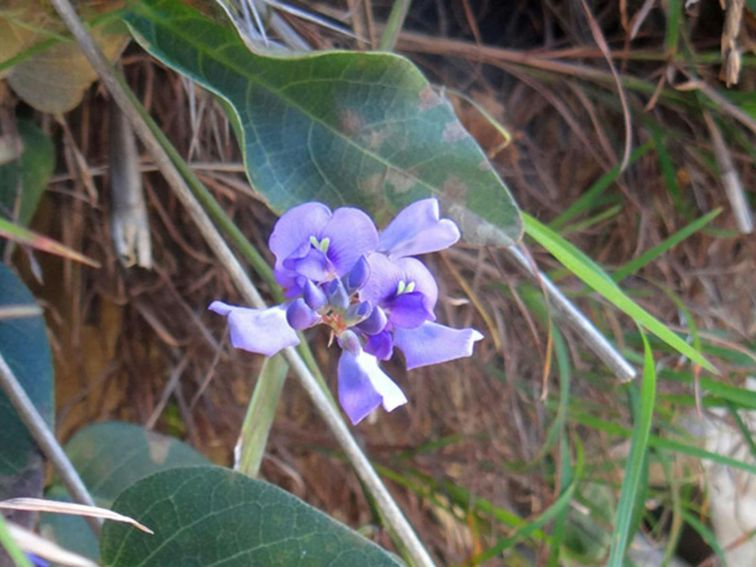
(373, 296)
(418, 229)
(311, 242)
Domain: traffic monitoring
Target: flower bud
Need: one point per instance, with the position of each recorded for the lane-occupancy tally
(375, 322)
(337, 294)
(313, 295)
(349, 341)
(357, 313)
(358, 275)
(300, 316)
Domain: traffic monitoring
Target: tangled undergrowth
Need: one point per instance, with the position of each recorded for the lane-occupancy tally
(479, 453)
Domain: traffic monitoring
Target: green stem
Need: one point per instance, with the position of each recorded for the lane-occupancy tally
(394, 24)
(260, 414)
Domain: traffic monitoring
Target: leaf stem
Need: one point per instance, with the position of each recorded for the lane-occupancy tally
(11, 547)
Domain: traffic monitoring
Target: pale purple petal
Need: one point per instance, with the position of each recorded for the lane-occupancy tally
(385, 276)
(262, 331)
(363, 386)
(417, 229)
(432, 343)
(352, 234)
(295, 227)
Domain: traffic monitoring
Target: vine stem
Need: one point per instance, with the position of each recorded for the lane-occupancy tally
(128, 103)
(394, 24)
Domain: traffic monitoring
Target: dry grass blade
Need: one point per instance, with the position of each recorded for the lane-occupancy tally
(19, 311)
(26, 237)
(599, 37)
(54, 507)
(730, 178)
(30, 542)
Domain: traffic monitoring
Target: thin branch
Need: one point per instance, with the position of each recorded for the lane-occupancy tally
(45, 439)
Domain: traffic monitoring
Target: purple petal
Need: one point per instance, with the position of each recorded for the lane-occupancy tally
(352, 234)
(416, 230)
(314, 296)
(385, 276)
(300, 316)
(358, 275)
(263, 331)
(414, 271)
(409, 310)
(295, 227)
(363, 386)
(380, 345)
(375, 323)
(432, 343)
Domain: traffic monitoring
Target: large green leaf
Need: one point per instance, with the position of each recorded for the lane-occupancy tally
(365, 129)
(23, 343)
(110, 457)
(212, 516)
(23, 180)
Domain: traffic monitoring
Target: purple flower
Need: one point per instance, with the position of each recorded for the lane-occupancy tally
(369, 293)
(311, 242)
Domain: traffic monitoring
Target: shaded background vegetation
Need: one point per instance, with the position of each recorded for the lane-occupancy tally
(478, 446)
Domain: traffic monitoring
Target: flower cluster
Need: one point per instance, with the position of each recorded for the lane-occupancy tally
(368, 288)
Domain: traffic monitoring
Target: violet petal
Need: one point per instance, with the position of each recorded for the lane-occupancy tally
(358, 275)
(409, 310)
(351, 234)
(263, 331)
(295, 227)
(300, 316)
(375, 322)
(431, 343)
(417, 229)
(314, 265)
(363, 386)
(314, 296)
(380, 345)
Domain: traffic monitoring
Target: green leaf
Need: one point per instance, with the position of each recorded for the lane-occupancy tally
(365, 129)
(212, 516)
(597, 279)
(23, 343)
(23, 180)
(635, 467)
(110, 457)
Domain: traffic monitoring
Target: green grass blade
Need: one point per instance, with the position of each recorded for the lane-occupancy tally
(654, 252)
(574, 261)
(260, 413)
(613, 428)
(588, 198)
(636, 461)
(552, 512)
